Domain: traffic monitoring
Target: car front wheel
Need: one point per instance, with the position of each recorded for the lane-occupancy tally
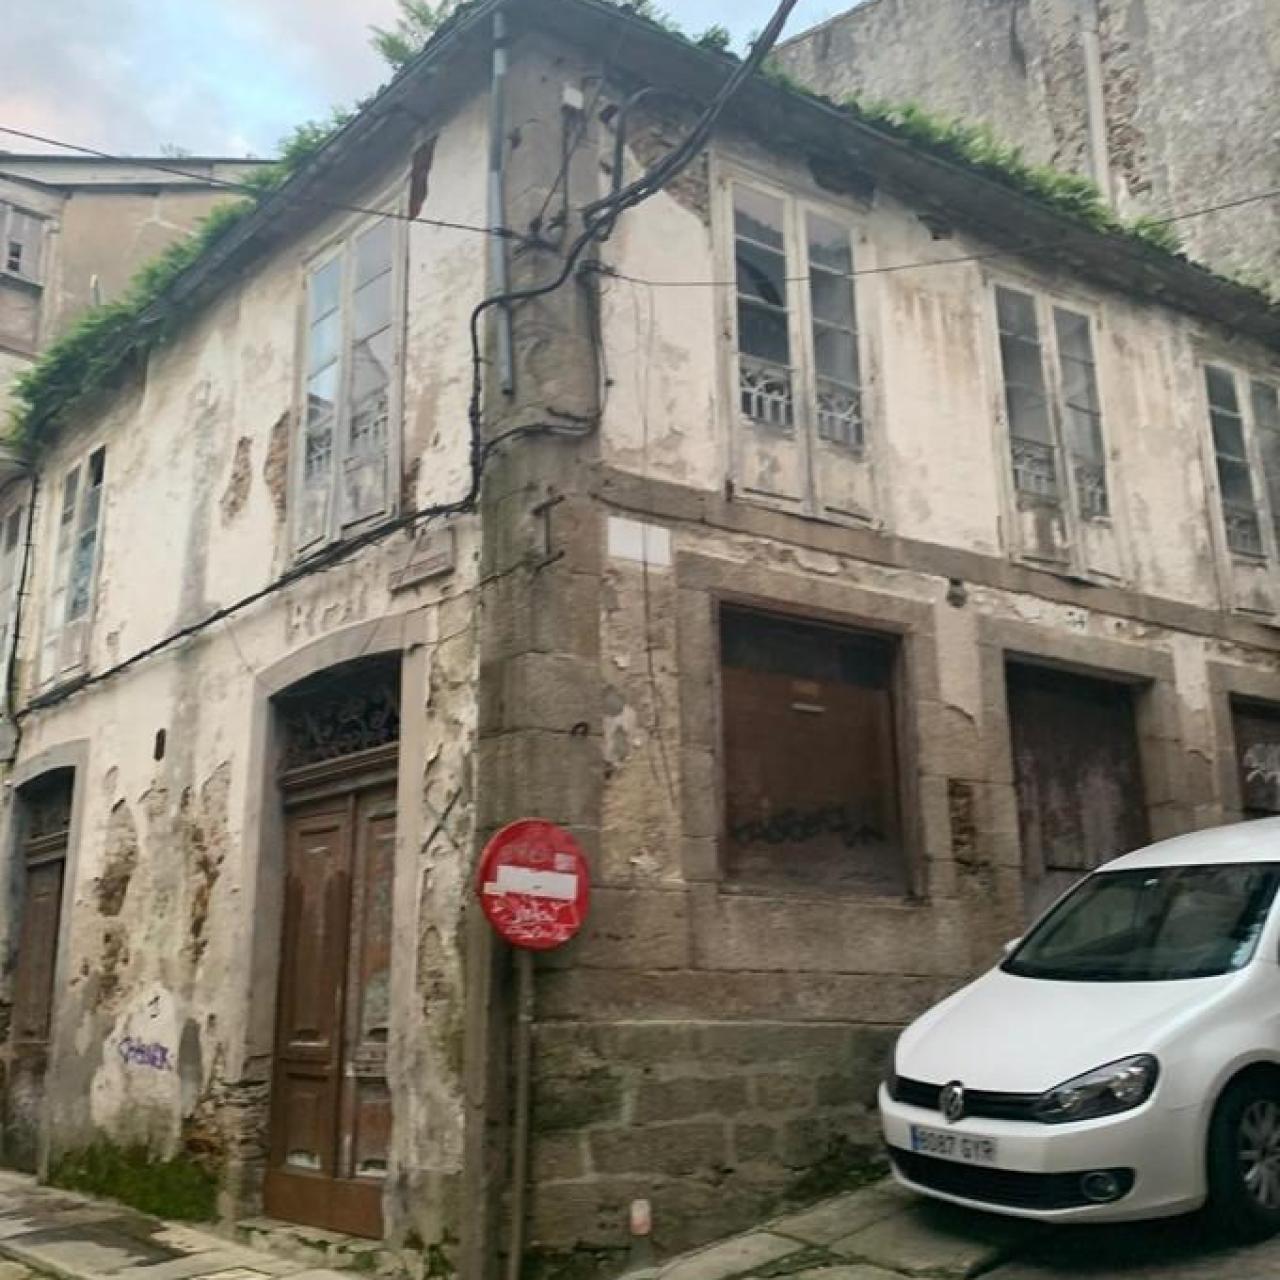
(1244, 1158)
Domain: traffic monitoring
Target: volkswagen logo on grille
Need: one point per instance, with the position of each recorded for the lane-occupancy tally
(951, 1101)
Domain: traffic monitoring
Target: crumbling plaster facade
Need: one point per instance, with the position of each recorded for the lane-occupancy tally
(1170, 106)
(709, 1046)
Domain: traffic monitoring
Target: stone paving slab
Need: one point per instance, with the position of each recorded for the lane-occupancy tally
(880, 1232)
(73, 1238)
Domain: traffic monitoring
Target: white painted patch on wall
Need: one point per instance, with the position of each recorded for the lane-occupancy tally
(644, 543)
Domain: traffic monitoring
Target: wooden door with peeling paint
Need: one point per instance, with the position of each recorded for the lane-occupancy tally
(331, 1117)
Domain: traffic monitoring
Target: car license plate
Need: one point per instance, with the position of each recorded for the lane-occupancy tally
(964, 1148)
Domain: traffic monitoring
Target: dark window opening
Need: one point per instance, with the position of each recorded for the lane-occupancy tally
(812, 789)
(1078, 775)
(1257, 737)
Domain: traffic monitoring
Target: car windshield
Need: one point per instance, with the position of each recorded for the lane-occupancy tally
(1151, 925)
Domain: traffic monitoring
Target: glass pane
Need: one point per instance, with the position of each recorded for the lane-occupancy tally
(318, 453)
(81, 574)
(1084, 435)
(1266, 407)
(1234, 479)
(1028, 415)
(1228, 435)
(1079, 385)
(1022, 366)
(829, 245)
(373, 306)
(324, 289)
(1074, 339)
(757, 216)
(370, 366)
(832, 298)
(1016, 313)
(323, 341)
(763, 333)
(1221, 385)
(761, 274)
(322, 394)
(13, 529)
(373, 252)
(836, 355)
(70, 486)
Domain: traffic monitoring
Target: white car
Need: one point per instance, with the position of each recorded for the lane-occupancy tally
(1123, 1061)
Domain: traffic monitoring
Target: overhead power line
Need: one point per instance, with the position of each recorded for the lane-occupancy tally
(248, 189)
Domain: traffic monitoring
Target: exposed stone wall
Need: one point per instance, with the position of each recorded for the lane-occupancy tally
(1188, 90)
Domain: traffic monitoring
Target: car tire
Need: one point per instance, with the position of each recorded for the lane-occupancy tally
(1244, 1159)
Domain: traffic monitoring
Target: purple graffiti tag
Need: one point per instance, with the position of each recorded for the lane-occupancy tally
(138, 1053)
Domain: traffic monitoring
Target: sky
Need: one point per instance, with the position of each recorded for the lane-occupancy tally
(228, 77)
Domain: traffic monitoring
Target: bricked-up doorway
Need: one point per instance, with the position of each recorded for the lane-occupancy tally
(330, 1121)
(1257, 735)
(1078, 774)
(811, 771)
(44, 826)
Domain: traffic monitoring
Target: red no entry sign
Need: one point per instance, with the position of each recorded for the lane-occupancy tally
(533, 884)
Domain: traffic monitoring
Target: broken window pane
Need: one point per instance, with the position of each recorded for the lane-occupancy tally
(1082, 412)
(811, 772)
(1030, 430)
(764, 337)
(1235, 484)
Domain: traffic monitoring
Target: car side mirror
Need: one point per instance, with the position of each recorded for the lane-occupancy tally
(1009, 946)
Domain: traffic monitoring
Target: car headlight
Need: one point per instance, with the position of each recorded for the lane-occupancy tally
(1119, 1086)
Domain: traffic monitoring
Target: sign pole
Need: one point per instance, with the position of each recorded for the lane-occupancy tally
(520, 1142)
(534, 888)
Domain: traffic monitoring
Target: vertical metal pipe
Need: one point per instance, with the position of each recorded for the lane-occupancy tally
(1095, 102)
(499, 268)
(520, 1139)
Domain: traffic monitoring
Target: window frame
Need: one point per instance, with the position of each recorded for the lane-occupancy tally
(340, 246)
(53, 665)
(11, 562)
(799, 201)
(1244, 377)
(7, 212)
(1047, 303)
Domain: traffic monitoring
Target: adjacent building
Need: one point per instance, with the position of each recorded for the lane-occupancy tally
(1169, 106)
(850, 552)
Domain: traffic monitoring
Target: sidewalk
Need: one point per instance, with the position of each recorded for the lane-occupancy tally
(878, 1233)
(57, 1233)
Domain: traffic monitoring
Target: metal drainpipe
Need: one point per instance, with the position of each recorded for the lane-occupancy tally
(499, 268)
(1095, 102)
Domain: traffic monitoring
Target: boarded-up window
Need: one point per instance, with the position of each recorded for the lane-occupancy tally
(351, 353)
(1257, 735)
(811, 768)
(1078, 775)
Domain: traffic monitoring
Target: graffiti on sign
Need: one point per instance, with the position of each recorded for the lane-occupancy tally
(141, 1053)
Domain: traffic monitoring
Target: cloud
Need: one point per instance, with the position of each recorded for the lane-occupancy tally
(134, 75)
(223, 76)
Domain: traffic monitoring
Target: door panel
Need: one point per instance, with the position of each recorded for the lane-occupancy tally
(37, 953)
(330, 1123)
(1078, 775)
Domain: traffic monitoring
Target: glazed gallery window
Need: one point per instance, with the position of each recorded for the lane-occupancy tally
(798, 367)
(21, 237)
(1053, 410)
(350, 397)
(66, 629)
(1244, 417)
(811, 775)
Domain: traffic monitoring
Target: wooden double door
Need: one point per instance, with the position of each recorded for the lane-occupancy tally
(330, 1124)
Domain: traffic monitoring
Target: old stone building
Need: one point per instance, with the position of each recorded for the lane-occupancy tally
(74, 229)
(849, 552)
(1169, 105)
